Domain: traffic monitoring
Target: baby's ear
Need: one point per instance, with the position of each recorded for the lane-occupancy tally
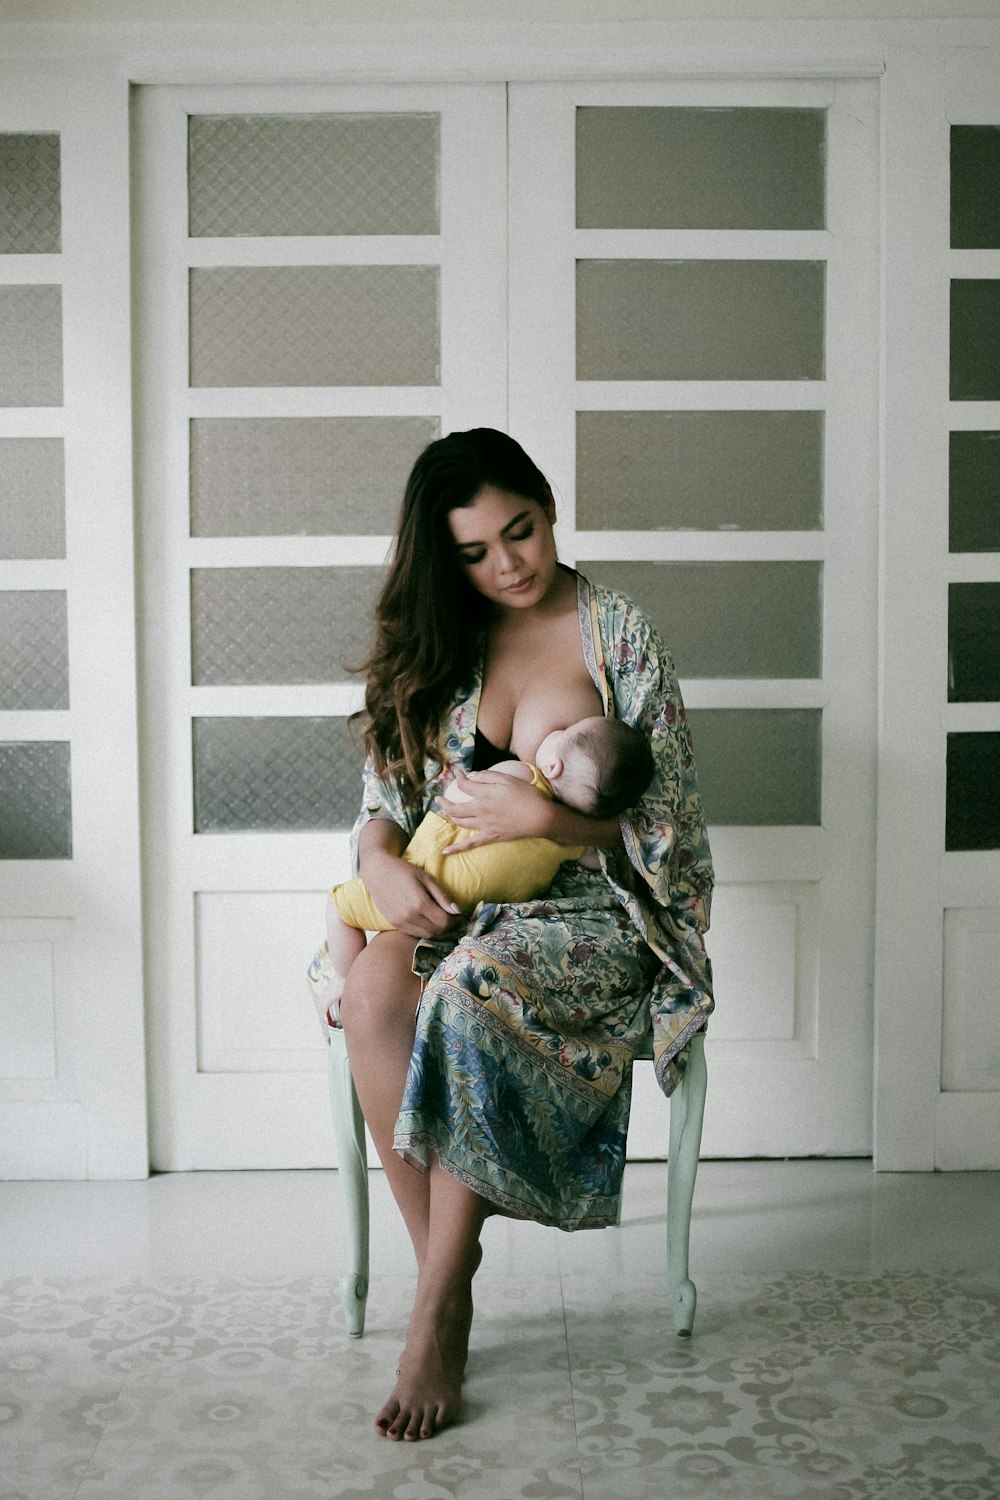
(554, 769)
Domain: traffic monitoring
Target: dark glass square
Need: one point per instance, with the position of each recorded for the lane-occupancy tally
(759, 766)
(974, 643)
(972, 819)
(974, 492)
(975, 187)
(975, 339)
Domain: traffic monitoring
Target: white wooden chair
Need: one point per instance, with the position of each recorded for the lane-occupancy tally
(687, 1108)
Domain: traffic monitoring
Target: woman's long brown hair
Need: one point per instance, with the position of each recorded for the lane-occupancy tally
(429, 620)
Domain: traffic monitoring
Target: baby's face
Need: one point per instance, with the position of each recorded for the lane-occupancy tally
(551, 753)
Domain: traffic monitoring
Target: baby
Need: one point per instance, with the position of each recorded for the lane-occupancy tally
(597, 766)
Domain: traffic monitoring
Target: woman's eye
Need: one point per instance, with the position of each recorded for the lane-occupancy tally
(522, 536)
(471, 558)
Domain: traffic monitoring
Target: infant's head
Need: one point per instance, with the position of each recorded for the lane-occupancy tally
(597, 766)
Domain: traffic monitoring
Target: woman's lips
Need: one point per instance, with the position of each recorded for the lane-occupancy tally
(519, 588)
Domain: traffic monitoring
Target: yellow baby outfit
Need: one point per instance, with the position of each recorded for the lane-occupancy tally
(516, 870)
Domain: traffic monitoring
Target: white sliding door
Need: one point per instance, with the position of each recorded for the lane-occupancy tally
(72, 1067)
(939, 793)
(321, 293)
(694, 362)
(693, 311)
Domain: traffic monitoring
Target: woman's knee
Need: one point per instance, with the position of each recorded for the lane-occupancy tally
(381, 988)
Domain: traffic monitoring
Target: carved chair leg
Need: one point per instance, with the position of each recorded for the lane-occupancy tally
(687, 1109)
(352, 1159)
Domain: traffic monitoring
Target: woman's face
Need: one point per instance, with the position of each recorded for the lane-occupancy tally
(505, 547)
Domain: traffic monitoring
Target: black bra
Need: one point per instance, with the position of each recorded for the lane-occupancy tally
(485, 755)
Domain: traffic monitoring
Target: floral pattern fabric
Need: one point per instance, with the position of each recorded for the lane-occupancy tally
(520, 1079)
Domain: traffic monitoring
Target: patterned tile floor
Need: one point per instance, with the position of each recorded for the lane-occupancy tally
(178, 1340)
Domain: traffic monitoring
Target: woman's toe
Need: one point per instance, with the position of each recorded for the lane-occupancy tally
(386, 1418)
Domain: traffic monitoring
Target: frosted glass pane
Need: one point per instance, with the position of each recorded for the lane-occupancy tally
(32, 497)
(34, 660)
(729, 619)
(302, 476)
(758, 766)
(274, 775)
(699, 320)
(975, 340)
(35, 814)
(676, 168)
(313, 174)
(280, 625)
(974, 492)
(975, 187)
(314, 325)
(29, 194)
(974, 642)
(30, 346)
(972, 810)
(706, 470)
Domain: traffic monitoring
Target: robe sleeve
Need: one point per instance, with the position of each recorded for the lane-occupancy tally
(381, 797)
(664, 877)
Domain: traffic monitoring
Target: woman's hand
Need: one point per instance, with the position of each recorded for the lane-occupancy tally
(499, 808)
(407, 897)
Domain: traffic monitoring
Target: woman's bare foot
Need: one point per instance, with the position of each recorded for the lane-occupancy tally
(428, 1391)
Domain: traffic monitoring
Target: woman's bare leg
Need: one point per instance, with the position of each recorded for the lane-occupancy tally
(428, 1389)
(443, 1217)
(377, 1011)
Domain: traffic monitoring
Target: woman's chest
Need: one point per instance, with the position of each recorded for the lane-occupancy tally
(534, 684)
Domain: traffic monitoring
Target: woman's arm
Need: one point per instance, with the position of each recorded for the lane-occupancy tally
(501, 808)
(407, 897)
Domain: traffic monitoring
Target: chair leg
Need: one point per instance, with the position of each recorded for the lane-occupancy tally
(687, 1110)
(352, 1158)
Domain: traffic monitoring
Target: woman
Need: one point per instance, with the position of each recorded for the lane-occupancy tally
(508, 1089)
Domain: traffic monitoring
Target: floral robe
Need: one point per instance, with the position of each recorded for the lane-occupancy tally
(520, 1078)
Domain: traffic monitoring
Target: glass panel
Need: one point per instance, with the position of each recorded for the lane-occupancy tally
(32, 498)
(975, 340)
(758, 766)
(313, 174)
(729, 619)
(34, 660)
(975, 187)
(700, 470)
(974, 492)
(314, 325)
(699, 319)
(972, 818)
(280, 625)
(35, 811)
(274, 775)
(302, 476)
(676, 168)
(30, 346)
(29, 194)
(974, 642)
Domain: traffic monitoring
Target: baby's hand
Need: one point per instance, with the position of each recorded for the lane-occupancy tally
(499, 808)
(453, 792)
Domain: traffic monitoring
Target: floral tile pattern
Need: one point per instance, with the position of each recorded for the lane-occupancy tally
(824, 1386)
(809, 1385)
